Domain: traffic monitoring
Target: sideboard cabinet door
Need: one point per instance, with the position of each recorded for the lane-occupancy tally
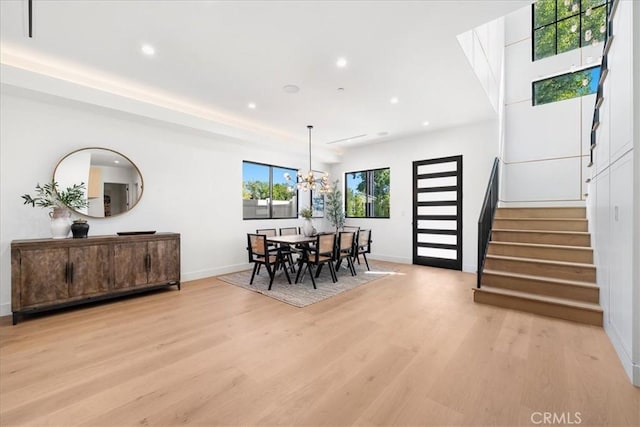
(130, 264)
(89, 270)
(164, 261)
(43, 276)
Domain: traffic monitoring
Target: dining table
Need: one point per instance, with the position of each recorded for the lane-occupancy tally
(295, 240)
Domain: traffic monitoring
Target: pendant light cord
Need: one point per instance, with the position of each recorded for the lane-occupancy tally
(310, 127)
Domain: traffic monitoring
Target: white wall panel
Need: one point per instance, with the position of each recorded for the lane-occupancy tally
(541, 181)
(587, 104)
(517, 25)
(620, 80)
(601, 237)
(534, 133)
(518, 75)
(621, 283)
(601, 152)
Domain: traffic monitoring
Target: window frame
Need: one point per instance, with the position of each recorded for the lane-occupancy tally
(271, 167)
(581, 14)
(369, 207)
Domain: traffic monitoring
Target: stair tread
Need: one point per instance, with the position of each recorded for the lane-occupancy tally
(541, 245)
(541, 207)
(542, 278)
(541, 298)
(517, 230)
(528, 218)
(542, 261)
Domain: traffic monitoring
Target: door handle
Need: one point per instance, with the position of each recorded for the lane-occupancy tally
(66, 272)
(71, 273)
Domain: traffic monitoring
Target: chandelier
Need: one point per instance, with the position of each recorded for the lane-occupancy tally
(310, 181)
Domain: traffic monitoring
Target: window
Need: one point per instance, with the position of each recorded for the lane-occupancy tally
(266, 193)
(566, 86)
(367, 193)
(563, 25)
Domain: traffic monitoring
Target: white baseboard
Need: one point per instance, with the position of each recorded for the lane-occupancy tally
(202, 274)
(399, 260)
(5, 309)
(632, 371)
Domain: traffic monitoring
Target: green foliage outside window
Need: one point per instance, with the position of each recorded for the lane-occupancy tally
(563, 25)
(368, 193)
(266, 192)
(566, 86)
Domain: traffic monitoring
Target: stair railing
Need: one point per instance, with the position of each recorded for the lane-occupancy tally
(488, 211)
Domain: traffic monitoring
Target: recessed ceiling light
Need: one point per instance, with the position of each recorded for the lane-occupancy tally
(148, 50)
(341, 62)
(425, 123)
(252, 105)
(116, 161)
(340, 89)
(291, 88)
(394, 100)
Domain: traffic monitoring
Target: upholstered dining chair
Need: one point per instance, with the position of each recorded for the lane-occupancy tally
(259, 254)
(364, 246)
(322, 253)
(346, 250)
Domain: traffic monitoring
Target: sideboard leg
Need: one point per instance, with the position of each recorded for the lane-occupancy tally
(15, 318)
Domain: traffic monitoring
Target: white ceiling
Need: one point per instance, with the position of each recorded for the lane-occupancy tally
(223, 55)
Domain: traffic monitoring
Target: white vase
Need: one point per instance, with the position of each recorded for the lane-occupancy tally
(307, 227)
(60, 223)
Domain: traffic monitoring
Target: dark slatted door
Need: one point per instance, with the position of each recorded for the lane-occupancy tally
(437, 212)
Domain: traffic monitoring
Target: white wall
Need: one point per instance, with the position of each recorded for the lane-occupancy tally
(547, 146)
(192, 180)
(613, 193)
(392, 237)
(484, 48)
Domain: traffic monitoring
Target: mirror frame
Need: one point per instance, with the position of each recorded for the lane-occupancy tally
(87, 184)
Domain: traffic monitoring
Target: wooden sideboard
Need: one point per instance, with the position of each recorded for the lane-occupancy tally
(54, 273)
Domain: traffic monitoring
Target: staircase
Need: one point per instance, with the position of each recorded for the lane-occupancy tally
(539, 260)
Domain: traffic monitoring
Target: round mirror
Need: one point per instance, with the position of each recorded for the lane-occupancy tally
(113, 183)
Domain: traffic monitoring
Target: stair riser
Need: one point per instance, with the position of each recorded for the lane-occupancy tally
(542, 238)
(556, 254)
(563, 225)
(539, 307)
(539, 287)
(541, 213)
(584, 274)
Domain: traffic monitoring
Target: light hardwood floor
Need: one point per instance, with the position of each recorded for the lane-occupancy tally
(407, 349)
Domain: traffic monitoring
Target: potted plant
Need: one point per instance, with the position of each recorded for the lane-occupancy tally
(307, 226)
(49, 196)
(333, 209)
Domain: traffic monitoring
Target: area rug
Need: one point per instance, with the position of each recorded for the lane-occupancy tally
(303, 294)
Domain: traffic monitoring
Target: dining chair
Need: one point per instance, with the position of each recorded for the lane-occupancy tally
(346, 250)
(351, 228)
(364, 246)
(287, 231)
(269, 232)
(259, 254)
(287, 249)
(323, 253)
